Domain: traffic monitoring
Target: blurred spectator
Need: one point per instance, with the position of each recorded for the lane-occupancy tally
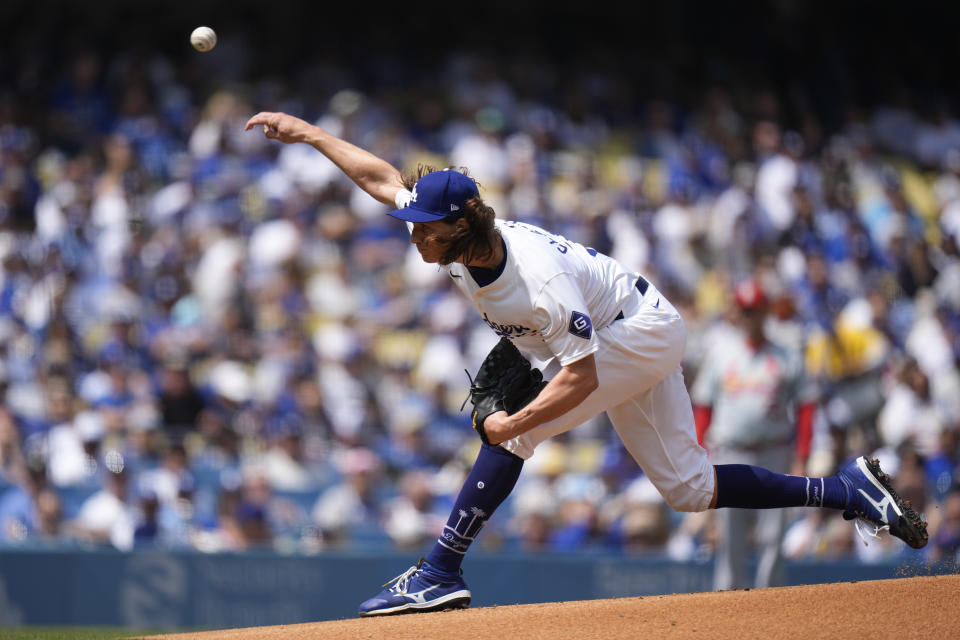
(942, 467)
(51, 526)
(12, 463)
(353, 504)
(283, 464)
(21, 516)
(180, 402)
(819, 535)
(253, 511)
(166, 481)
(911, 478)
(107, 517)
(644, 524)
(945, 544)
(225, 533)
(253, 527)
(778, 173)
(74, 449)
(849, 362)
(645, 528)
(414, 517)
(178, 520)
(820, 300)
(909, 415)
(147, 530)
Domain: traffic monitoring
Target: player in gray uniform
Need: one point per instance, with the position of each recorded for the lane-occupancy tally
(618, 344)
(753, 404)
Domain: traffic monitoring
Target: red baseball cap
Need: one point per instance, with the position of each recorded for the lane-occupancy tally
(749, 295)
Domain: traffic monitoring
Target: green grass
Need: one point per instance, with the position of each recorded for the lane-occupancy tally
(74, 633)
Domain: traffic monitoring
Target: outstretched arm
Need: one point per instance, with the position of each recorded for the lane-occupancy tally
(372, 174)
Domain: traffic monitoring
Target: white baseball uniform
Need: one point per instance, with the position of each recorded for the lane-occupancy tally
(560, 301)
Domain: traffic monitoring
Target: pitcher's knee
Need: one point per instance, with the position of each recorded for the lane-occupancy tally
(693, 495)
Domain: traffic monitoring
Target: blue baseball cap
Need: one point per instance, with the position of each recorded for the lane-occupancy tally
(438, 195)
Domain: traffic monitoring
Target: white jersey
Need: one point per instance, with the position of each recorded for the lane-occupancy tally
(559, 302)
(552, 295)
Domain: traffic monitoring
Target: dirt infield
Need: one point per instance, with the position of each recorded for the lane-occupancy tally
(921, 607)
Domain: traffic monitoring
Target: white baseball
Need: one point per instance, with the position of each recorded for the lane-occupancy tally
(203, 39)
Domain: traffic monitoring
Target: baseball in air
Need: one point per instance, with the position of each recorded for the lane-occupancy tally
(203, 38)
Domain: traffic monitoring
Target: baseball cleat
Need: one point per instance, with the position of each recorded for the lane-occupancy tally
(418, 590)
(871, 499)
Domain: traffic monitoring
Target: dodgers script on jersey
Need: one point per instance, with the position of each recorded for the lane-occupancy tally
(552, 293)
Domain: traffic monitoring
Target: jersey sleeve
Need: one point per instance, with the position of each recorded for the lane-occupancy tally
(567, 328)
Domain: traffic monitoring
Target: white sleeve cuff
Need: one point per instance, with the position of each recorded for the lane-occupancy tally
(403, 198)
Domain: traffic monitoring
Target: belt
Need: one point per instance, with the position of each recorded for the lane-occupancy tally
(642, 286)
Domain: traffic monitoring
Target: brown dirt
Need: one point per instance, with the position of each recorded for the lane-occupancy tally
(920, 607)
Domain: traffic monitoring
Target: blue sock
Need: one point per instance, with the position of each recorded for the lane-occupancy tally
(491, 480)
(747, 487)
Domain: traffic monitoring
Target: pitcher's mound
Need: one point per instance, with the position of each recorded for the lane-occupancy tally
(921, 607)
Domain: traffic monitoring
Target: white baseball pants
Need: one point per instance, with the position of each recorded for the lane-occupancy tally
(643, 392)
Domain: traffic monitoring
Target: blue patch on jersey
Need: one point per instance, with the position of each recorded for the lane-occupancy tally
(580, 325)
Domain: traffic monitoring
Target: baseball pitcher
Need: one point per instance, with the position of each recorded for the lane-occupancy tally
(618, 342)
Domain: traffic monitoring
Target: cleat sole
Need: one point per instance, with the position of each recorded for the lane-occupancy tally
(460, 602)
(909, 527)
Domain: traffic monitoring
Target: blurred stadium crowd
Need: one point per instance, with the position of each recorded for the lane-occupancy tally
(210, 341)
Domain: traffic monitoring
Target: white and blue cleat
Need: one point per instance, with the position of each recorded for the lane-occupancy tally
(871, 499)
(418, 590)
